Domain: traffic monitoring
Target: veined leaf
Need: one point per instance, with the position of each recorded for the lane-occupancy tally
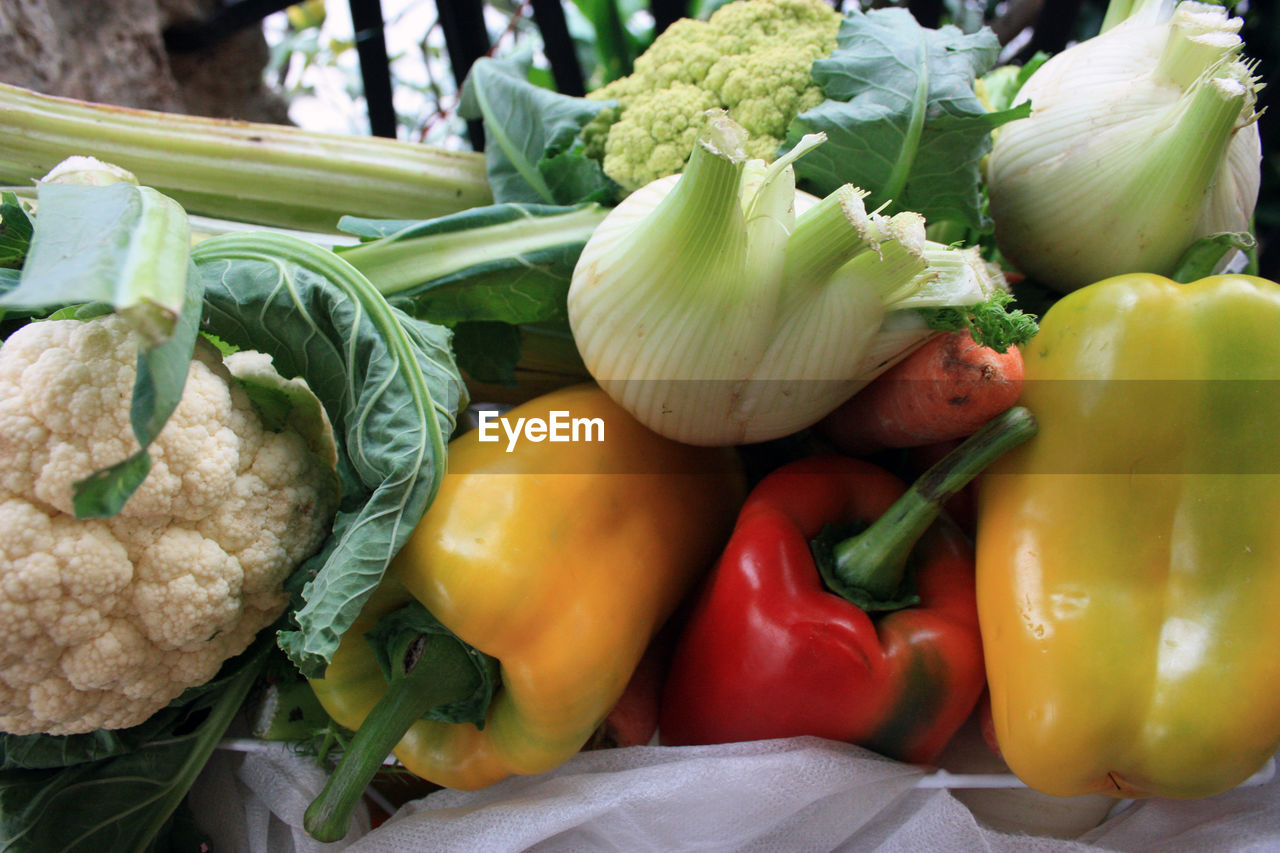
(120, 244)
(15, 232)
(388, 383)
(507, 263)
(532, 147)
(901, 117)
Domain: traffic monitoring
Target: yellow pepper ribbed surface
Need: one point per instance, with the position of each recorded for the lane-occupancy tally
(1129, 554)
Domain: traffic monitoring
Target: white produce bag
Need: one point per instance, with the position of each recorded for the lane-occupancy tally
(794, 794)
(791, 794)
(253, 801)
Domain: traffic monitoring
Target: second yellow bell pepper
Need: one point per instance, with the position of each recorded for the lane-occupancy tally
(559, 559)
(1128, 556)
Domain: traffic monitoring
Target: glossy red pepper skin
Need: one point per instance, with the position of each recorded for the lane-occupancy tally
(769, 652)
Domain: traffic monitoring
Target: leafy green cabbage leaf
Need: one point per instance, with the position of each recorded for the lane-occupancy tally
(901, 117)
(388, 383)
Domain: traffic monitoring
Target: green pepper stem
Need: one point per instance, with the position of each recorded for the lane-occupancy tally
(875, 559)
(445, 674)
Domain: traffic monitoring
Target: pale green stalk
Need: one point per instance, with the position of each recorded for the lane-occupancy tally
(829, 234)
(268, 174)
(397, 264)
(153, 273)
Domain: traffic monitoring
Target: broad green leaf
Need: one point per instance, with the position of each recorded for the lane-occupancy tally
(533, 294)
(901, 117)
(488, 352)
(15, 232)
(508, 263)
(388, 383)
(573, 177)
(120, 244)
(532, 148)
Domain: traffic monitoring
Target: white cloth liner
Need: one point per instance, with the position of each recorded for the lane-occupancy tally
(794, 794)
(253, 801)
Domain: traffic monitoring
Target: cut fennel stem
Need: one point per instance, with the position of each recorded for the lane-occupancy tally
(724, 307)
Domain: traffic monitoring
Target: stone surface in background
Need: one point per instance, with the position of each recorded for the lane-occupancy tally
(112, 51)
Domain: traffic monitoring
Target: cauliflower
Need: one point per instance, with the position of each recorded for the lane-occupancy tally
(752, 58)
(105, 621)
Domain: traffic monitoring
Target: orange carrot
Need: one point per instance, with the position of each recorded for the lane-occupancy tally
(944, 390)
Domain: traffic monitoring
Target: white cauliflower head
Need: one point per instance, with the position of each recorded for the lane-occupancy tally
(105, 621)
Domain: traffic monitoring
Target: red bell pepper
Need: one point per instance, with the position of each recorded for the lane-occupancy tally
(808, 627)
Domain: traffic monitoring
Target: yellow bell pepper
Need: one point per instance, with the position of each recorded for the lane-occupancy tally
(1128, 556)
(559, 559)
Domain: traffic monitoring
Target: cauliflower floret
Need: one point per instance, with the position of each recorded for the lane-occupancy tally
(105, 621)
(662, 124)
(751, 57)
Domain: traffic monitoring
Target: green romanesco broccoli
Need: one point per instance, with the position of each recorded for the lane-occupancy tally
(751, 57)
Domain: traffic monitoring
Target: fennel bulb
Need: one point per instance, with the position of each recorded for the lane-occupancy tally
(722, 306)
(1141, 140)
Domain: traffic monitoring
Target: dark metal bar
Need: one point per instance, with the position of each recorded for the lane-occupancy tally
(375, 70)
(558, 46)
(667, 12)
(466, 39)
